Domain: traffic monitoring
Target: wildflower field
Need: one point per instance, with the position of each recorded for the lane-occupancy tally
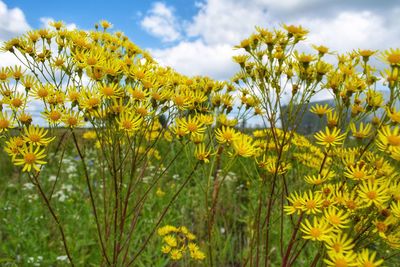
(138, 165)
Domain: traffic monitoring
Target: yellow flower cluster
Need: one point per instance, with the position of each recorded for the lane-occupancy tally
(178, 242)
(349, 197)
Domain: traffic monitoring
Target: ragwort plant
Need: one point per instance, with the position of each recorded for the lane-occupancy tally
(348, 203)
(331, 198)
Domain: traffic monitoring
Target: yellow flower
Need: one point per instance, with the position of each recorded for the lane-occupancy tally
(329, 138)
(374, 99)
(388, 138)
(298, 32)
(4, 74)
(165, 230)
(57, 24)
(339, 244)
(366, 54)
(109, 91)
(358, 173)
(226, 135)
(394, 115)
(202, 154)
(170, 240)
(319, 230)
(160, 193)
(72, 119)
(89, 100)
(89, 135)
(13, 146)
(129, 122)
(243, 146)
(373, 193)
(391, 56)
(53, 115)
(36, 135)
(16, 73)
(341, 260)
(296, 204)
(195, 252)
(191, 125)
(316, 179)
(31, 158)
(332, 119)
(362, 132)
(176, 254)
(41, 92)
(105, 24)
(312, 202)
(367, 259)
(16, 101)
(165, 249)
(138, 93)
(223, 119)
(322, 50)
(395, 208)
(6, 122)
(336, 217)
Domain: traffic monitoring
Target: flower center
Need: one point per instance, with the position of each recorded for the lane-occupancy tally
(337, 247)
(55, 115)
(127, 125)
(330, 139)
(92, 102)
(4, 123)
(372, 195)
(30, 158)
(16, 102)
(42, 93)
(72, 121)
(335, 219)
(192, 127)
(315, 232)
(358, 175)
(394, 59)
(91, 61)
(108, 91)
(34, 137)
(341, 263)
(311, 204)
(394, 140)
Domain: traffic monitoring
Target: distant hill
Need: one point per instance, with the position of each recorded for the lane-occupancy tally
(312, 123)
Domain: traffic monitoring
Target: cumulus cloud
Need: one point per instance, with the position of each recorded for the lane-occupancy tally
(352, 30)
(161, 22)
(12, 22)
(226, 21)
(206, 40)
(197, 58)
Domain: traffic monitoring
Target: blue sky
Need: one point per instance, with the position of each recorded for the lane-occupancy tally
(125, 15)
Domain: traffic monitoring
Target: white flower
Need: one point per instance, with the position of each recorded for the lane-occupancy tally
(28, 186)
(52, 178)
(62, 258)
(67, 187)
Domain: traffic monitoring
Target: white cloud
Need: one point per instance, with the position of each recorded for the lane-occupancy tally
(161, 22)
(197, 58)
(352, 30)
(12, 22)
(223, 21)
(221, 24)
